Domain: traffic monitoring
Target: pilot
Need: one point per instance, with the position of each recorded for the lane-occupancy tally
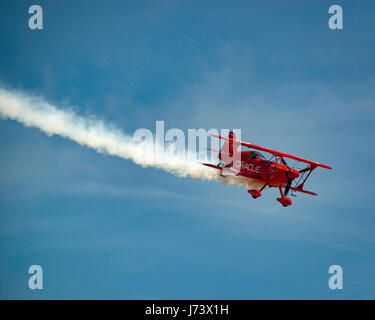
(253, 155)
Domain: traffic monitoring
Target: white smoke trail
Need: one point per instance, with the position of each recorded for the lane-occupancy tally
(35, 112)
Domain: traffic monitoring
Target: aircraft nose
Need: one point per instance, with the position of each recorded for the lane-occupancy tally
(293, 173)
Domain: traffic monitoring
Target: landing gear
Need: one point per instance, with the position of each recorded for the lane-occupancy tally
(284, 200)
(255, 193)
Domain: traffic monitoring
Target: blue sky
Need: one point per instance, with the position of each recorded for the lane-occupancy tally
(103, 227)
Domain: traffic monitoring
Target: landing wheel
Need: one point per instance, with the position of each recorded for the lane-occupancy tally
(255, 193)
(285, 201)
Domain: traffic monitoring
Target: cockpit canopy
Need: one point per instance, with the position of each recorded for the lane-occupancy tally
(256, 155)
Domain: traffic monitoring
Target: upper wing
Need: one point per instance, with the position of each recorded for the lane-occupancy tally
(275, 153)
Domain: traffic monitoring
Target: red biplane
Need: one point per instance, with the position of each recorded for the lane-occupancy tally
(273, 172)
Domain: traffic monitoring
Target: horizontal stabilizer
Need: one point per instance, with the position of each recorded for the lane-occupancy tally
(211, 166)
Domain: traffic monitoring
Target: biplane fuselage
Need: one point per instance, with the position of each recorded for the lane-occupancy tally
(273, 172)
(262, 170)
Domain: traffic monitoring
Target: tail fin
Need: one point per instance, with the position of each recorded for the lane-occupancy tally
(228, 149)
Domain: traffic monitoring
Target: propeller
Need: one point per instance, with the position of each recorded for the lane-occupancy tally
(304, 170)
(289, 183)
(284, 162)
